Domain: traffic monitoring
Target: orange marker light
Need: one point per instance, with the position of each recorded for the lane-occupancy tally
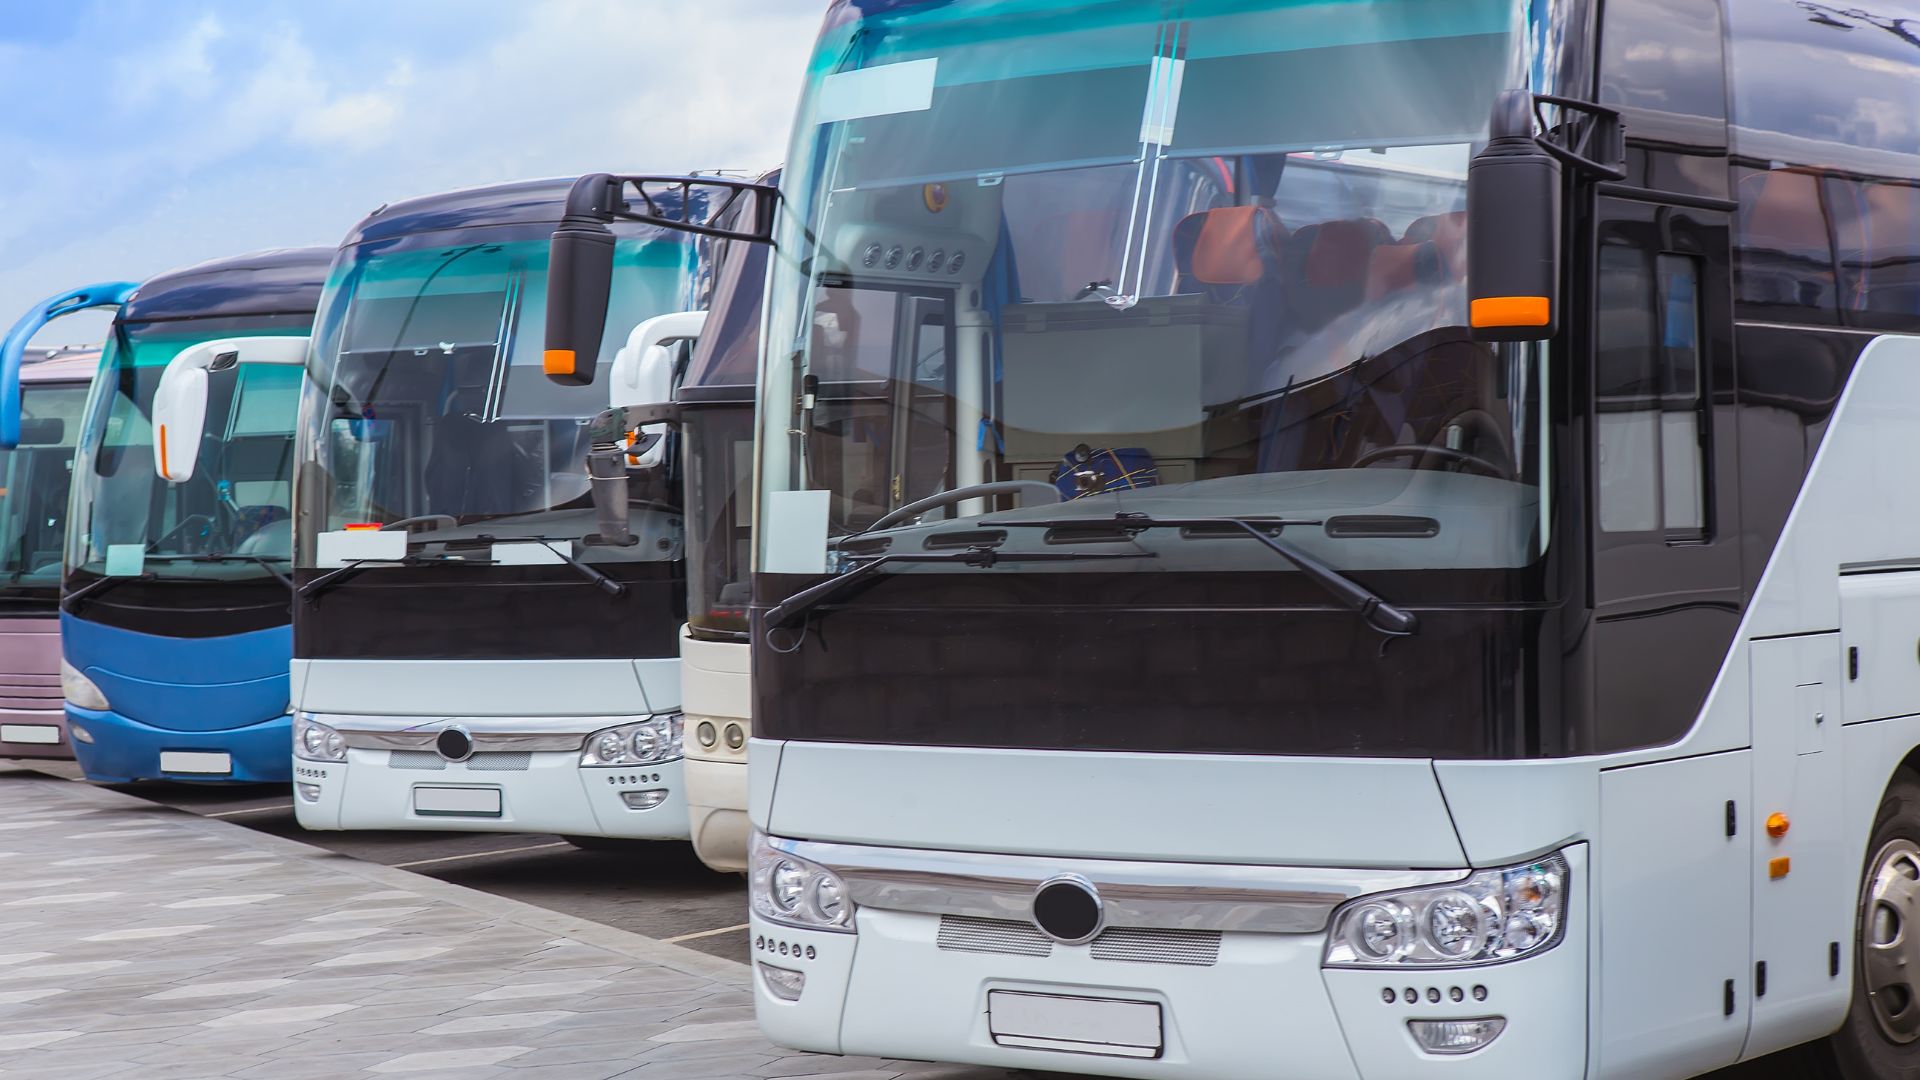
(1779, 868)
(1510, 311)
(557, 361)
(1777, 825)
(163, 451)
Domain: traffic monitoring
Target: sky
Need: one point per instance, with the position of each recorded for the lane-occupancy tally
(139, 135)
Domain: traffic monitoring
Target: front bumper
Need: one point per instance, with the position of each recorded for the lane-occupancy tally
(123, 749)
(539, 792)
(905, 986)
(34, 733)
(717, 812)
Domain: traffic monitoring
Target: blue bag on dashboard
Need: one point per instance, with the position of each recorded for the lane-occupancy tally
(1090, 472)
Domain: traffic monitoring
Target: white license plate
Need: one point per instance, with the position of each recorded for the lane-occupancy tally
(1079, 1025)
(30, 734)
(457, 801)
(203, 762)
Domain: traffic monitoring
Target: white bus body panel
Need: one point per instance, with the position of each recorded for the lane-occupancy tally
(1183, 807)
(717, 685)
(550, 793)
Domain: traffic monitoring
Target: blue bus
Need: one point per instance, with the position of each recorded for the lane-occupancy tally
(175, 594)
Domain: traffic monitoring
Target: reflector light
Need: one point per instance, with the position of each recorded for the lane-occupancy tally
(1779, 868)
(1510, 311)
(557, 361)
(361, 526)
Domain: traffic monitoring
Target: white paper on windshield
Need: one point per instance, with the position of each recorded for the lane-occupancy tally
(796, 532)
(525, 555)
(877, 91)
(126, 560)
(353, 545)
(1163, 100)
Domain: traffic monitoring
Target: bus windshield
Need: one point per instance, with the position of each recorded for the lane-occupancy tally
(1173, 260)
(128, 521)
(428, 403)
(33, 488)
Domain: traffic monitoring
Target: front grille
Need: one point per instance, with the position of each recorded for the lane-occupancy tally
(501, 761)
(1145, 945)
(1120, 944)
(415, 759)
(965, 933)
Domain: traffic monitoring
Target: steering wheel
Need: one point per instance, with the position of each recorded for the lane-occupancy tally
(1470, 418)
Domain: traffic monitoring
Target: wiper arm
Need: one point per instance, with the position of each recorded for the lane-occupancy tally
(339, 575)
(100, 585)
(1382, 616)
(786, 611)
(607, 585)
(226, 556)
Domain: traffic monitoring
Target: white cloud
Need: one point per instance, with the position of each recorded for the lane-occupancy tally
(263, 127)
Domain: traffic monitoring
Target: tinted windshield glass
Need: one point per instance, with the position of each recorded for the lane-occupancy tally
(1198, 266)
(33, 487)
(429, 402)
(129, 521)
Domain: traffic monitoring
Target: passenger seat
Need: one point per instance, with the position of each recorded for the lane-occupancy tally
(1327, 268)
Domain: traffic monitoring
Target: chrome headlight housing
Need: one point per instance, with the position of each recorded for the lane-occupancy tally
(79, 690)
(1491, 917)
(645, 742)
(787, 889)
(315, 741)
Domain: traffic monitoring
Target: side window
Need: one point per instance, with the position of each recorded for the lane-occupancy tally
(1651, 421)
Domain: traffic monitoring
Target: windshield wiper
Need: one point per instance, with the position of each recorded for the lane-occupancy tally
(100, 585)
(1382, 616)
(607, 585)
(336, 576)
(227, 557)
(786, 611)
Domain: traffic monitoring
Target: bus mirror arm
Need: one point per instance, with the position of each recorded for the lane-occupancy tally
(607, 467)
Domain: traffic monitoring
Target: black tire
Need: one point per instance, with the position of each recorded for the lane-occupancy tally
(1860, 1050)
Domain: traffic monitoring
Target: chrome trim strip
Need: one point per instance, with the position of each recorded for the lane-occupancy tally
(1162, 895)
(483, 742)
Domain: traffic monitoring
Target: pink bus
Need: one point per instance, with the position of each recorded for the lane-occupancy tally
(33, 516)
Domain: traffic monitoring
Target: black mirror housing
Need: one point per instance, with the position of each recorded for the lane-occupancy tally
(1513, 229)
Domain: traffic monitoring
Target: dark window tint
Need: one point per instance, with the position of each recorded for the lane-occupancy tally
(1649, 422)
(729, 349)
(1661, 65)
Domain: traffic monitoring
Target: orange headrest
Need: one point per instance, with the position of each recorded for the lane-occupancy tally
(1224, 246)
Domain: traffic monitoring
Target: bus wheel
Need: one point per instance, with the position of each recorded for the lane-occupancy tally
(1880, 1039)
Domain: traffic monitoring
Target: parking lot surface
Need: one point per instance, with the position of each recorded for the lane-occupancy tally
(145, 942)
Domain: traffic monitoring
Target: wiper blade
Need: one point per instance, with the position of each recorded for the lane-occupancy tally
(100, 585)
(1378, 613)
(607, 585)
(226, 557)
(339, 575)
(786, 611)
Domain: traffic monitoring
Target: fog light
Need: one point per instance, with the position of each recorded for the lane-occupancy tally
(308, 792)
(782, 982)
(736, 737)
(706, 734)
(1456, 1036)
(643, 800)
(79, 733)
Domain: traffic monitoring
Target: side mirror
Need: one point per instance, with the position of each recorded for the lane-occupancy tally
(1513, 229)
(14, 347)
(180, 401)
(579, 281)
(642, 373)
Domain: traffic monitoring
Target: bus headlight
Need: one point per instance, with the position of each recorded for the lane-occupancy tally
(793, 891)
(646, 742)
(80, 690)
(314, 741)
(1491, 917)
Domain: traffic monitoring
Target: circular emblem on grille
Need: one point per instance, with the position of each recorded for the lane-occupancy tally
(1068, 910)
(454, 743)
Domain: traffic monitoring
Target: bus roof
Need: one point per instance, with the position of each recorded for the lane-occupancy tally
(282, 281)
(60, 363)
(517, 203)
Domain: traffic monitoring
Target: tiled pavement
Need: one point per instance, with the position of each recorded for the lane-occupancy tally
(141, 942)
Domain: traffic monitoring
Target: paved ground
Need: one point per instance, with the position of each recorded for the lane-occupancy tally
(656, 889)
(144, 942)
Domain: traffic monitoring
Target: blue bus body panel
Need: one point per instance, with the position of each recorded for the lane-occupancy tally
(122, 749)
(184, 684)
